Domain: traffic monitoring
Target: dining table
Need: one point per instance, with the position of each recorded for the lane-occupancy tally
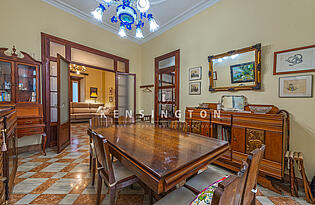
(160, 157)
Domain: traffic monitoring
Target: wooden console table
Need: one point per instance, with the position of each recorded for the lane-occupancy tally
(245, 131)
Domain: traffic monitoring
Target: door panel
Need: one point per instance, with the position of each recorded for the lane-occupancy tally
(166, 86)
(238, 139)
(126, 95)
(63, 87)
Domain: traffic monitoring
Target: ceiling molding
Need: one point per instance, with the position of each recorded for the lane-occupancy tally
(170, 24)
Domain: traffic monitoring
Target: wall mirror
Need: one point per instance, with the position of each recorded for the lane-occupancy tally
(236, 70)
(233, 102)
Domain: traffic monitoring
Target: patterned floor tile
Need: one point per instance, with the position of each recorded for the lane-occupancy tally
(48, 199)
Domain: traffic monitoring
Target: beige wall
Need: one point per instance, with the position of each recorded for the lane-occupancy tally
(231, 24)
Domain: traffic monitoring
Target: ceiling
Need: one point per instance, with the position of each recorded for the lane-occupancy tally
(167, 13)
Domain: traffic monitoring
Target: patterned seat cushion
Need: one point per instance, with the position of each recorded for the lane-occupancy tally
(205, 197)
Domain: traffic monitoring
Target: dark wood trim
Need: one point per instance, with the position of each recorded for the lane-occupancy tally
(176, 85)
(290, 50)
(91, 66)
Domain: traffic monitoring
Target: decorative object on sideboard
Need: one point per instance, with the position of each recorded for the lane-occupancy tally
(236, 70)
(195, 88)
(233, 102)
(195, 73)
(297, 60)
(260, 109)
(296, 86)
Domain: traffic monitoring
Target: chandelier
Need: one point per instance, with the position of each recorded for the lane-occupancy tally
(77, 68)
(129, 13)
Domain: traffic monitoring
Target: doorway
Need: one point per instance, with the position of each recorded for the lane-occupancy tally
(166, 100)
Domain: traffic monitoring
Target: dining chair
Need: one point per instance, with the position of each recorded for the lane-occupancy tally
(226, 191)
(114, 174)
(147, 118)
(200, 181)
(97, 122)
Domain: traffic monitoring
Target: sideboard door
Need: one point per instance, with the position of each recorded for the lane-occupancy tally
(238, 139)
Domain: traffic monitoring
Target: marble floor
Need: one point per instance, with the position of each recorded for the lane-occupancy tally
(65, 179)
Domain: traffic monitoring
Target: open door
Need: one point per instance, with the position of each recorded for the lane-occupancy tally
(126, 95)
(63, 103)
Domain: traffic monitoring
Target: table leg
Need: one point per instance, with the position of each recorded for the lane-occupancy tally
(44, 140)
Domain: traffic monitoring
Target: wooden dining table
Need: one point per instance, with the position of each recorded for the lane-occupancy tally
(161, 157)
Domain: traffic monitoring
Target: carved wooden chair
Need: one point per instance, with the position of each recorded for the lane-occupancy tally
(227, 191)
(97, 122)
(147, 118)
(114, 174)
(200, 181)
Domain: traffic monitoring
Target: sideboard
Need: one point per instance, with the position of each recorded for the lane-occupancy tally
(8, 153)
(245, 132)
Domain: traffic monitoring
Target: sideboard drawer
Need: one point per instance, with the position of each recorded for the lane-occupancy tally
(29, 121)
(30, 131)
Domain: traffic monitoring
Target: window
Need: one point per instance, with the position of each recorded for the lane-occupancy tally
(75, 91)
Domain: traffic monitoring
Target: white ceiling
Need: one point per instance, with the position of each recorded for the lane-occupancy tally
(167, 13)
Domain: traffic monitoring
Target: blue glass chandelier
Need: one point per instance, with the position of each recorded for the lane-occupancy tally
(129, 14)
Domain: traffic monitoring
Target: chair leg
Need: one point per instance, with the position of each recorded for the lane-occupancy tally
(150, 196)
(93, 170)
(99, 189)
(112, 196)
(91, 161)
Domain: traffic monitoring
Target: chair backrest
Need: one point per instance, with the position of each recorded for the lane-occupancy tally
(254, 161)
(103, 158)
(101, 122)
(229, 191)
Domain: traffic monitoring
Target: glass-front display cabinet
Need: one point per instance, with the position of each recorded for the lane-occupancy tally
(19, 78)
(19, 86)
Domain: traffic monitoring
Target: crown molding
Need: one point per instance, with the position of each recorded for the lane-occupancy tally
(170, 24)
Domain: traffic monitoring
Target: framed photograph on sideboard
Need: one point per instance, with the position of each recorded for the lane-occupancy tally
(297, 60)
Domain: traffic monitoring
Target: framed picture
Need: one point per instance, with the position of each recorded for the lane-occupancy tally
(93, 92)
(298, 60)
(195, 88)
(296, 86)
(215, 75)
(243, 73)
(195, 73)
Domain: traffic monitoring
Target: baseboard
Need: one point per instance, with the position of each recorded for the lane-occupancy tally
(29, 148)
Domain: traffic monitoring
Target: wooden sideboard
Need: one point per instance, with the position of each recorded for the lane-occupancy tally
(8, 157)
(245, 132)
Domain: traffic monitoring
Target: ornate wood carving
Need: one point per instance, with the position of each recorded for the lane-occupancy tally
(254, 139)
(26, 58)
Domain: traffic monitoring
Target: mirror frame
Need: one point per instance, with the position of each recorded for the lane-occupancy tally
(256, 86)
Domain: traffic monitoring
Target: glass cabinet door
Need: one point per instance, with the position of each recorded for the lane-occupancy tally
(5, 81)
(26, 83)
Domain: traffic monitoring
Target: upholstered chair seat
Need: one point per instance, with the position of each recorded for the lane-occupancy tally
(202, 180)
(179, 196)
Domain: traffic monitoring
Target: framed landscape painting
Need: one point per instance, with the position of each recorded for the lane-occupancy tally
(242, 73)
(195, 88)
(298, 60)
(296, 86)
(195, 73)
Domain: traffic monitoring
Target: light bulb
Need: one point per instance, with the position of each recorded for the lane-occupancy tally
(78, 72)
(143, 5)
(153, 25)
(98, 12)
(122, 32)
(139, 33)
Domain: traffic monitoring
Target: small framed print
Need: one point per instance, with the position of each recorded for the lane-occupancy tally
(195, 73)
(195, 88)
(215, 75)
(298, 60)
(296, 86)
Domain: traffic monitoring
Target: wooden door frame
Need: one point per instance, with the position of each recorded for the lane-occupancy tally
(59, 149)
(156, 80)
(135, 89)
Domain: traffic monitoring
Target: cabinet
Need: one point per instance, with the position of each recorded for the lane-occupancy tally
(19, 86)
(8, 157)
(245, 131)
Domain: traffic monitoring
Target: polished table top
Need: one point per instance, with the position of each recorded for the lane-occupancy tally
(160, 150)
